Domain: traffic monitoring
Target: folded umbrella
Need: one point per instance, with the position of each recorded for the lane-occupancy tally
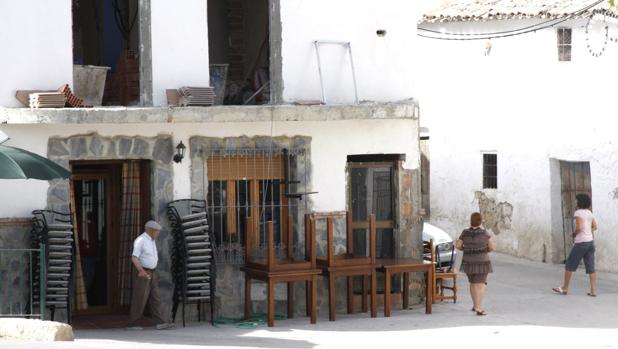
(16, 163)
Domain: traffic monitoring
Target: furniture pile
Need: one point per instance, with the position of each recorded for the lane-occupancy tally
(55, 231)
(193, 265)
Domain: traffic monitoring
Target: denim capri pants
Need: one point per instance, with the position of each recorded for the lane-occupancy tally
(581, 250)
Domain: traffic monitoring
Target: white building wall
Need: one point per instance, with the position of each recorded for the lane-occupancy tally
(36, 47)
(330, 146)
(179, 46)
(385, 66)
(530, 108)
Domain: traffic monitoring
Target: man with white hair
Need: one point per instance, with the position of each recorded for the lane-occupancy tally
(146, 281)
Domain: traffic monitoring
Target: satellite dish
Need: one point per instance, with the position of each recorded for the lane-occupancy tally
(3, 137)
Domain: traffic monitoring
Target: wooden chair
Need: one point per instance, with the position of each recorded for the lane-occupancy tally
(348, 265)
(283, 270)
(440, 274)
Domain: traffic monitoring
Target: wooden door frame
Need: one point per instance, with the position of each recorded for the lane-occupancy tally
(113, 169)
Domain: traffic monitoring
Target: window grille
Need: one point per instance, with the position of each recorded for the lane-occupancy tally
(490, 171)
(252, 184)
(564, 44)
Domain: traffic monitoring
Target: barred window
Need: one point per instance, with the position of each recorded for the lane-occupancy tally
(490, 171)
(564, 44)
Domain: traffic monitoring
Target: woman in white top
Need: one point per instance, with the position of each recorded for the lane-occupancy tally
(585, 225)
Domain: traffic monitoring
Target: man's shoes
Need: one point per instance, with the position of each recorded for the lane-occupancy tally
(135, 328)
(165, 326)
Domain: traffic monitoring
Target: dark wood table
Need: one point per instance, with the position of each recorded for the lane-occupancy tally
(405, 266)
(310, 276)
(365, 271)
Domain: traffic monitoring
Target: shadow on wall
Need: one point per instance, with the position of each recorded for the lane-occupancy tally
(497, 217)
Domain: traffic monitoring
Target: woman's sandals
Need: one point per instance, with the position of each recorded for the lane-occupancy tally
(559, 290)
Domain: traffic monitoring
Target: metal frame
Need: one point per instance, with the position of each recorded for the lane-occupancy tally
(345, 44)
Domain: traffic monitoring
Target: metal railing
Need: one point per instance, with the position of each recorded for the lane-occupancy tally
(17, 265)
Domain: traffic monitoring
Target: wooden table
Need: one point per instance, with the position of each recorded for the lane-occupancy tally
(405, 266)
(349, 271)
(271, 278)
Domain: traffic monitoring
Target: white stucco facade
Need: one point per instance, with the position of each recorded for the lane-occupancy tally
(331, 142)
(532, 110)
(385, 66)
(36, 51)
(179, 46)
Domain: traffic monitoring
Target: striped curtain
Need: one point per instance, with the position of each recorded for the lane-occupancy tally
(130, 227)
(80, 301)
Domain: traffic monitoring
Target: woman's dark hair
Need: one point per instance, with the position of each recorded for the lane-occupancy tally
(583, 201)
(476, 219)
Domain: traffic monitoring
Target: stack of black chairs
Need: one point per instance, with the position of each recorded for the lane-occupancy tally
(193, 267)
(54, 230)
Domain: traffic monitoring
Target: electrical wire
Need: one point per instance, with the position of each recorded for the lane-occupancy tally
(507, 33)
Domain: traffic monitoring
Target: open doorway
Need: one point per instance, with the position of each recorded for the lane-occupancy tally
(112, 202)
(106, 41)
(239, 49)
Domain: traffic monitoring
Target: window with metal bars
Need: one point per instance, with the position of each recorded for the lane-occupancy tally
(564, 44)
(490, 171)
(250, 187)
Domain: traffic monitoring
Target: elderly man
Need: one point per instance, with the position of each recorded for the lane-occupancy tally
(146, 282)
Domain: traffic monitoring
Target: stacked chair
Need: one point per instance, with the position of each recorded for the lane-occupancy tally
(54, 230)
(193, 265)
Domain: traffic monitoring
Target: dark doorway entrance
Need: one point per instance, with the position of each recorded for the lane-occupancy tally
(575, 179)
(239, 49)
(105, 204)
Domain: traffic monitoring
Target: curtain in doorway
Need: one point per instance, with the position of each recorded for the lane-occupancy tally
(130, 227)
(80, 301)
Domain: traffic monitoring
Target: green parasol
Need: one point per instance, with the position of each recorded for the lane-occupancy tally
(17, 163)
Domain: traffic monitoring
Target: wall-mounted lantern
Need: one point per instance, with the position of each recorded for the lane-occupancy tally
(180, 153)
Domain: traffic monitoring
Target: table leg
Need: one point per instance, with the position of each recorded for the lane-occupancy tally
(308, 295)
(350, 294)
(406, 290)
(290, 300)
(374, 294)
(428, 291)
(271, 303)
(314, 298)
(332, 297)
(387, 294)
(364, 293)
(247, 297)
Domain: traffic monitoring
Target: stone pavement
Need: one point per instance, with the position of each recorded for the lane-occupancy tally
(523, 313)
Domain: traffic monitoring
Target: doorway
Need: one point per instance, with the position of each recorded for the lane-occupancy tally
(112, 202)
(105, 34)
(574, 179)
(239, 49)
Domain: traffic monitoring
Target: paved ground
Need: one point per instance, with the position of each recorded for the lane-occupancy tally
(523, 313)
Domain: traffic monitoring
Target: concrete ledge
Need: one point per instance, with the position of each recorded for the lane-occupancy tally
(17, 329)
(113, 115)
